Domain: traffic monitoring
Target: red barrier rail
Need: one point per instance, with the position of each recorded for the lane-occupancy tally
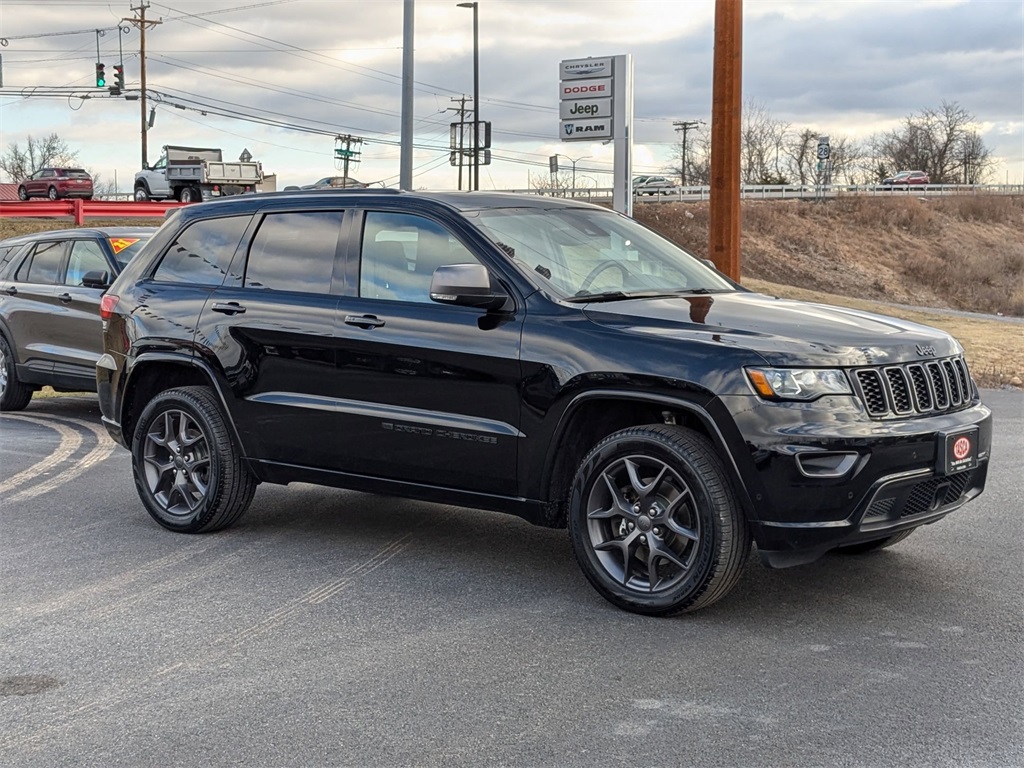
(79, 209)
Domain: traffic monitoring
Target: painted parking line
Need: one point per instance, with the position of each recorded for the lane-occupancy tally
(70, 443)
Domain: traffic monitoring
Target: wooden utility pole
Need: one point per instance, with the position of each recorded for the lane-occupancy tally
(461, 101)
(141, 23)
(726, 113)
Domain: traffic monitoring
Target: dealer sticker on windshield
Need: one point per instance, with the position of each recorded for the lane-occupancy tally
(120, 243)
(958, 452)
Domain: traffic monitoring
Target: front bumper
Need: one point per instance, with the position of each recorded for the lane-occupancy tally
(823, 475)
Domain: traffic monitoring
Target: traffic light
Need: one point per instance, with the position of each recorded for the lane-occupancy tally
(101, 75)
(119, 76)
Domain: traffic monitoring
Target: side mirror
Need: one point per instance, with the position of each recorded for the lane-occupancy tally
(96, 279)
(465, 285)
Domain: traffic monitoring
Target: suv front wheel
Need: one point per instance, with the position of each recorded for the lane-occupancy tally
(188, 472)
(654, 522)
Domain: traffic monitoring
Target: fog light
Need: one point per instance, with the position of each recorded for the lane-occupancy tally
(825, 464)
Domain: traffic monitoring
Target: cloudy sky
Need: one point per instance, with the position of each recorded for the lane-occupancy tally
(315, 69)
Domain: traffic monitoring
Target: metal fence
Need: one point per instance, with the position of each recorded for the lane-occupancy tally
(789, 192)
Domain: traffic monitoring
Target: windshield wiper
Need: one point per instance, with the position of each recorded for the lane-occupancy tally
(618, 296)
(622, 295)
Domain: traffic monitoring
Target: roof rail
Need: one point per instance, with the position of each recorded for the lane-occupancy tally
(335, 190)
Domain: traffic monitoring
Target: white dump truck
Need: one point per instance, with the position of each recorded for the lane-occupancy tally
(194, 174)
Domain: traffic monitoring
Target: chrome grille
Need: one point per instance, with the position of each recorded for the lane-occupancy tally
(914, 388)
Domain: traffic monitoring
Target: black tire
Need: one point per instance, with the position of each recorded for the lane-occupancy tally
(52, 193)
(187, 195)
(188, 471)
(142, 194)
(697, 530)
(22, 194)
(875, 545)
(14, 395)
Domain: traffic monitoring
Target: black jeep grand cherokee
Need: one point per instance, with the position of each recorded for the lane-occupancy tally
(547, 358)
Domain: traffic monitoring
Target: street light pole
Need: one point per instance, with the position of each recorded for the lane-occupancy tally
(574, 169)
(476, 92)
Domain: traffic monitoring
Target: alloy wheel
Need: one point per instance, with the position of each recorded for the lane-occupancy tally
(643, 524)
(177, 462)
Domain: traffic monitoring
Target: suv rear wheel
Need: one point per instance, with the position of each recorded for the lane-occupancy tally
(187, 469)
(14, 395)
(654, 522)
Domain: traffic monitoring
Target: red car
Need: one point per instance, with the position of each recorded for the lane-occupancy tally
(56, 183)
(907, 177)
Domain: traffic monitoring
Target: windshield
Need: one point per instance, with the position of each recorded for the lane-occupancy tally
(585, 253)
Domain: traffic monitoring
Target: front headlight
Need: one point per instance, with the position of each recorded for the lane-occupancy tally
(798, 383)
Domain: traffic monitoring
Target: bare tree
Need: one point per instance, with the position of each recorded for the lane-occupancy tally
(698, 157)
(18, 163)
(101, 187)
(801, 151)
(556, 185)
(941, 142)
(763, 140)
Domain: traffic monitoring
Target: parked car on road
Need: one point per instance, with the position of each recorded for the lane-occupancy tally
(526, 354)
(56, 183)
(50, 289)
(654, 185)
(336, 182)
(907, 177)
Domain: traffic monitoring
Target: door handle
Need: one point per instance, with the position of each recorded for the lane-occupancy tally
(11, 291)
(229, 308)
(64, 298)
(364, 321)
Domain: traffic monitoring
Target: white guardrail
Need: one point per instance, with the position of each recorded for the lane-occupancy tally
(758, 192)
(789, 191)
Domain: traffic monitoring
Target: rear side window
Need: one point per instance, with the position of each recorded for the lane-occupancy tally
(201, 254)
(9, 261)
(294, 252)
(43, 266)
(6, 254)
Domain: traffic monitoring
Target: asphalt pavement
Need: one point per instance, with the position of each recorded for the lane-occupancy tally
(332, 628)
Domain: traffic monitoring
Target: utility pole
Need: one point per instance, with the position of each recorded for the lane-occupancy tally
(683, 126)
(726, 101)
(345, 153)
(141, 23)
(408, 69)
(459, 150)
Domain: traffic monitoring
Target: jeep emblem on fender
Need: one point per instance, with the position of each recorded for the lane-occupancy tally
(925, 350)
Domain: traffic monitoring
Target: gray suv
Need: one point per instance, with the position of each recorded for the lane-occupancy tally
(50, 289)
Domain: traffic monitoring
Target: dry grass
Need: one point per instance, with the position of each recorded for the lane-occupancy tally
(883, 254)
(962, 253)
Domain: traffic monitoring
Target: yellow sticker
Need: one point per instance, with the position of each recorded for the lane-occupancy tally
(120, 243)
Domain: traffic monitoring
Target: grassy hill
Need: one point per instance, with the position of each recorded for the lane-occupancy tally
(923, 259)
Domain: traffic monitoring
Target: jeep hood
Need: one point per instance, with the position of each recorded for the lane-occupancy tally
(782, 331)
